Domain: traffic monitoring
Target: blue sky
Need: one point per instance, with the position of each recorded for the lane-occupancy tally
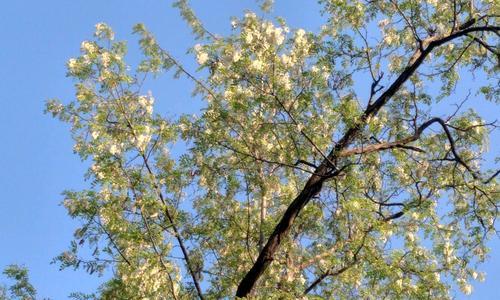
(36, 159)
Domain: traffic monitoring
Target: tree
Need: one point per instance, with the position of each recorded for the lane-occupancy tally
(319, 167)
(22, 288)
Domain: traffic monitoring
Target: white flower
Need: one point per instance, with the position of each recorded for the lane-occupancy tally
(285, 81)
(228, 94)
(383, 23)
(103, 30)
(448, 252)
(248, 38)
(88, 47)
(355, 204)
(400, 171)
(257, 65)
(95, 134)
(421, 168)
(201, 56)
(300, 38)
(106, 59)
(97, 171)
(286, 59)
(100, 27)
(388, 39)
(476, 126)
(274, 35)
(236, 56)
(377, 183)
(280, 38)
(57, 108)
(142, 140)
(268, 28)
(147, 103)
(467, 289)
(72, 64)
(113, 149)
(410, 236)
(234, 24)
(399, 283)
(474, 275)
(105, 75)
(250, 15)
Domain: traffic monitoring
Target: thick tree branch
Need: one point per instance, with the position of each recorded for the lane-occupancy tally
(314, 184)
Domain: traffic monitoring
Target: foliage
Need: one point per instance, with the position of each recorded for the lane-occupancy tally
(21, 288)
(318, 167)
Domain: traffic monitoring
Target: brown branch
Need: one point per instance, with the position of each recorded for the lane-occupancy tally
(326, 274)
(488, 47)
(355, 259)
(491, 177)
(330, 272)
(383, 146)
(110, 237)
(309, 139)
(157, 252)
(314, 184)
(176, 231)
(267, 161)
(403, 143)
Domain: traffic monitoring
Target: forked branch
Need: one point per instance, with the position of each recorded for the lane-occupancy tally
(315, 182)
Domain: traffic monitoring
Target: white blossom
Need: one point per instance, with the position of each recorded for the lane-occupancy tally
(287, 60)
(234, 24)
(94, 134)
(257, 65)
(383, 23)
(72, 64)
(201, 55)
(106, 59)
(113, 149)
(236, 56)
(88, 47)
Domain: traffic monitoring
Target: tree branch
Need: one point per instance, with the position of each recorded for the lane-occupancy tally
(315, 183)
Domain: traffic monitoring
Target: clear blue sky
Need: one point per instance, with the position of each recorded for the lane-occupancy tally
(36, 160)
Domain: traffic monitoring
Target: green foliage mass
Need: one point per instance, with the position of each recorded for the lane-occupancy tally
(405, 205)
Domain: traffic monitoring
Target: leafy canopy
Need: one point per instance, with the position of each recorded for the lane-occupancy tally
(319, 166)
(21, 288)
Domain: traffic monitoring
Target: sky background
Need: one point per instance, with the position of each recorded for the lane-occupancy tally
(36, 159)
